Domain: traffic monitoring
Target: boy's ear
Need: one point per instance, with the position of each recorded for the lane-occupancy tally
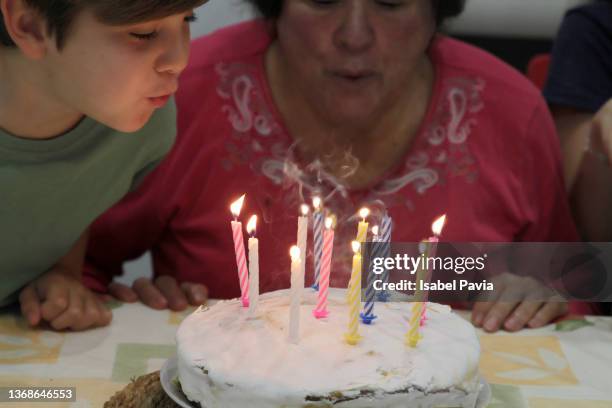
(27, 28)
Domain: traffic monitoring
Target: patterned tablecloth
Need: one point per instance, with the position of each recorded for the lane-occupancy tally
(534, 368)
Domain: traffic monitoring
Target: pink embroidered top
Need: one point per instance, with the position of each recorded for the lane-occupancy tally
(486, 155)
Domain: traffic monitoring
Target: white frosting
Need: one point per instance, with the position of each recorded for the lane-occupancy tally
(226, 359)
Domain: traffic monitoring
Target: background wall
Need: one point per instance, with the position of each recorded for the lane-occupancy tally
(512, 29)
(500, 18)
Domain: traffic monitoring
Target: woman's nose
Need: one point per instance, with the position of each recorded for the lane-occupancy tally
(355, 33)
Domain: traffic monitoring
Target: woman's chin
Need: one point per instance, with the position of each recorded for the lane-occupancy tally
(349, 114)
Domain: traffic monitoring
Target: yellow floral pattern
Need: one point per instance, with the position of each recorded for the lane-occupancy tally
(530, 360)
(20, 344)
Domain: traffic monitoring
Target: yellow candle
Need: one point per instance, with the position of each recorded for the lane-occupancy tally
(354, 297)
(362, 228)
(413, 334)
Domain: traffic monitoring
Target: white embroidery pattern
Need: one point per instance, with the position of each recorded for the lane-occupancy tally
(446, 136)
(441, 151)
(241, 114)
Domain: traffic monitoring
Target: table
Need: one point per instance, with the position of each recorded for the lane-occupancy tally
(533, 368)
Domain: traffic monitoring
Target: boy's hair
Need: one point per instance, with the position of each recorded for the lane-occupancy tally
(271, 9)
(60, 14)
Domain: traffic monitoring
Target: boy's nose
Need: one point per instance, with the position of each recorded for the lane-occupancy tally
(175, 56)
(355, 32)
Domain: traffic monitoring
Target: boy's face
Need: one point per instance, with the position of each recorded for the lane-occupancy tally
(118, 75)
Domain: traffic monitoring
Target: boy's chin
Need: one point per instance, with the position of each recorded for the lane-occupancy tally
(130, 124)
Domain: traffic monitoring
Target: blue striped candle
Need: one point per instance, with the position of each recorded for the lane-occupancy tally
(367, 316)
(386, 228)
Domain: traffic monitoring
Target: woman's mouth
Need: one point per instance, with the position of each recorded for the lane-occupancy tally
(353, 76)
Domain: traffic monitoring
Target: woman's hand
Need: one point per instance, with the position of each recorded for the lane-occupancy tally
(514, 316)
(161, 293)
(519, 302)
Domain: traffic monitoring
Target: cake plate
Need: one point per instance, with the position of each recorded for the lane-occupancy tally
(168, 377)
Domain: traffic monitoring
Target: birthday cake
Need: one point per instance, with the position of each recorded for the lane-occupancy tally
(228, 358)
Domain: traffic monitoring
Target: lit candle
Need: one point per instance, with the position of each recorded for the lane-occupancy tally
(302, 239)
(386, 228)
(243, 273)
(253, 266)
(430, 252)
(367, 316)
(296, 294)
(362, 228)
(421, 274)
(354, 297)
(317, 230)
(436, 228)
(418, 312)
(328, 247)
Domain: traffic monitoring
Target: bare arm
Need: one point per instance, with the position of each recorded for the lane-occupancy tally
(587, 149)
(72, 263)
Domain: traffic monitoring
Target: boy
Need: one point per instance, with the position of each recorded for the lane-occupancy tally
(75, 76)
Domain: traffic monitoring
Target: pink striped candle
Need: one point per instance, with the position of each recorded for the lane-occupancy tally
(328, 248)
(243, 272)
(430, 252)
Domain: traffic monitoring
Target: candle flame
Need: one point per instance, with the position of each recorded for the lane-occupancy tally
(316, 203)
(252, 225)
(438, 225)
(375, 230)
(356, 246)
(329, 222)
(236, 206)
(295, 253)
(364, 212)
(304, 208)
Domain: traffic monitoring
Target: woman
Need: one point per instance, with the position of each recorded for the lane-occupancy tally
(360, 102)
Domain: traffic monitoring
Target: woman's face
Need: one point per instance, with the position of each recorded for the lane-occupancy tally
(353, 59)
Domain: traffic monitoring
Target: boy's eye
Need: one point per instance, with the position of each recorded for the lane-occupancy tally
(152, 34)
(144, 36)
(191, 18)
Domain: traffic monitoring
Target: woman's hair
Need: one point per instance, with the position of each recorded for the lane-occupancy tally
(271, 9)
(60, 14)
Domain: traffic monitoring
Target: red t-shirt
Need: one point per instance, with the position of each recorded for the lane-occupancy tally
(486, 155)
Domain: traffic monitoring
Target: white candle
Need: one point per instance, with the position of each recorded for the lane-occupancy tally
(302, 240)
(253, 266)
(296, 294)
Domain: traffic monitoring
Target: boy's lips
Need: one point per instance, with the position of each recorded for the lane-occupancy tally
(159, 101)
